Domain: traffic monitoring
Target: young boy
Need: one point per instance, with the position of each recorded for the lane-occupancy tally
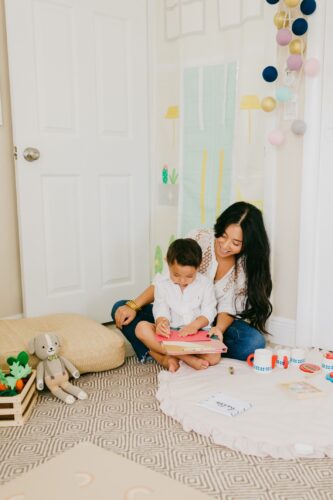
(184, 299)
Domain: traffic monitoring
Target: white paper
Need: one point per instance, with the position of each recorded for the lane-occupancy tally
(222, 403)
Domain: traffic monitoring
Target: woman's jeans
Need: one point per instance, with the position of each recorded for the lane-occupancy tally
(240, 338)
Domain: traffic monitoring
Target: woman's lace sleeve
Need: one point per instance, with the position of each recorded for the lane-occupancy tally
(204, 238)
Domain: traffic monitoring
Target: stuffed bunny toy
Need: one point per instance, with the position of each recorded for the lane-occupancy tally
(52, 369)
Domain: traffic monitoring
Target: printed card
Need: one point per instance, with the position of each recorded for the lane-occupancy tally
(227, 405)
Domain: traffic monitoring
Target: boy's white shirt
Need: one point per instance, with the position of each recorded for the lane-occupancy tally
(183, 307)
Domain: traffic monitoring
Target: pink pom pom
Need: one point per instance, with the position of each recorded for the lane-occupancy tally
(311, 67)
(294, 62)
(276, 138)
(283, 36)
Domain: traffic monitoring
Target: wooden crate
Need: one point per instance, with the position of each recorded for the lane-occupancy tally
(15, 410)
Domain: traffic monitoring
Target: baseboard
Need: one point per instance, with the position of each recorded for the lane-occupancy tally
(16, 316)
(283, 331)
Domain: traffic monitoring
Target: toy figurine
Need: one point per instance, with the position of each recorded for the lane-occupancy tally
(53, 369)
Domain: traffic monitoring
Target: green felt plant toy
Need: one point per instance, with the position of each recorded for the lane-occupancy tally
(12, 383)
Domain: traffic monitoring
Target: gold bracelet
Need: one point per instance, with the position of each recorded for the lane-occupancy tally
(133, 305)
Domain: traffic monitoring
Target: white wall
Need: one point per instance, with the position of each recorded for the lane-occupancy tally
(253, 45)
(316, 238)
(167, 59)
(10, 284)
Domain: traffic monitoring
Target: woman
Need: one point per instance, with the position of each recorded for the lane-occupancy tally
(236, 259)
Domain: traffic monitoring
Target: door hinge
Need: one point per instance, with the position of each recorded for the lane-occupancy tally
(15, 153)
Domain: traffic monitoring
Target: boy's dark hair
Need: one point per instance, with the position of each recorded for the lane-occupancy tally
(186, 252)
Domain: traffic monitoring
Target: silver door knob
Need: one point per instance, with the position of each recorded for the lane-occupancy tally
(31, 154)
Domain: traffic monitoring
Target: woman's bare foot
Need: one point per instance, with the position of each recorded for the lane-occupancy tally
(173, 364)
(195, 362)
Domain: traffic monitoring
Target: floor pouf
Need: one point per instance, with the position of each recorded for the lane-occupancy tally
(91, 347)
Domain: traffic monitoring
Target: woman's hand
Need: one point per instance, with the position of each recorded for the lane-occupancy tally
(216, 331)
(124, 316)
(163, 328)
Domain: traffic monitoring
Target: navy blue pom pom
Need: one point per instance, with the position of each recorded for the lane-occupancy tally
(299, 26)
(308, 7)
(270, 74)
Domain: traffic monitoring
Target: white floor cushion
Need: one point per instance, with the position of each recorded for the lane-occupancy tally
(277, 425)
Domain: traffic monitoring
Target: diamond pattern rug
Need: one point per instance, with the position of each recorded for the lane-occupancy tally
(122, 415)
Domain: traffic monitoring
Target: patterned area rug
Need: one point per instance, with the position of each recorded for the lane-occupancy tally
(122, 415)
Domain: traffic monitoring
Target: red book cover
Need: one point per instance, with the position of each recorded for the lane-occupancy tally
(200, 336)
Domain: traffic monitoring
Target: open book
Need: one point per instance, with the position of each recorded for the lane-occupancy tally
(198, 343)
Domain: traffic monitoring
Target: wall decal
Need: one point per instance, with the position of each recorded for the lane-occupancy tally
(250, 102)
(234, 13)
(168, 190)
(219, 184)
(203, 186)
(183, 18)
(168, 194)
(165, 174)
(172, 114)
(209, 95)
(158, 260)
(240, 197)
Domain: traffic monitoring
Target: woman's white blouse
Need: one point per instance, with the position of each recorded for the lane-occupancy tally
(231, 290)
(182, 307)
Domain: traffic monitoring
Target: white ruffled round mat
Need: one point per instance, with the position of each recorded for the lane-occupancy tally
(277, 425)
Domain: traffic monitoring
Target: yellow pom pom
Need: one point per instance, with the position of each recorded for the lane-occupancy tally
(281, 19)
(296, 46)
(291, 3)
(268, 104)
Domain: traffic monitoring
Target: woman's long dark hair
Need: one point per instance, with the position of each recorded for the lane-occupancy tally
(256, 252)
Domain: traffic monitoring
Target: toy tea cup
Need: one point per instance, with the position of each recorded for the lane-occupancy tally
(283, 358)
(327, 362)
(262, 360)
(297, 357)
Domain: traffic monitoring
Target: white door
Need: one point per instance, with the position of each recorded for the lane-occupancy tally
(78, 72)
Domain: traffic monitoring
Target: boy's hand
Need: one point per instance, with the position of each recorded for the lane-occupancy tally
(186, 330)
(163, 328)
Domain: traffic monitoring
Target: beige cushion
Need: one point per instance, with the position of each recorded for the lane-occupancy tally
(90, 346)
